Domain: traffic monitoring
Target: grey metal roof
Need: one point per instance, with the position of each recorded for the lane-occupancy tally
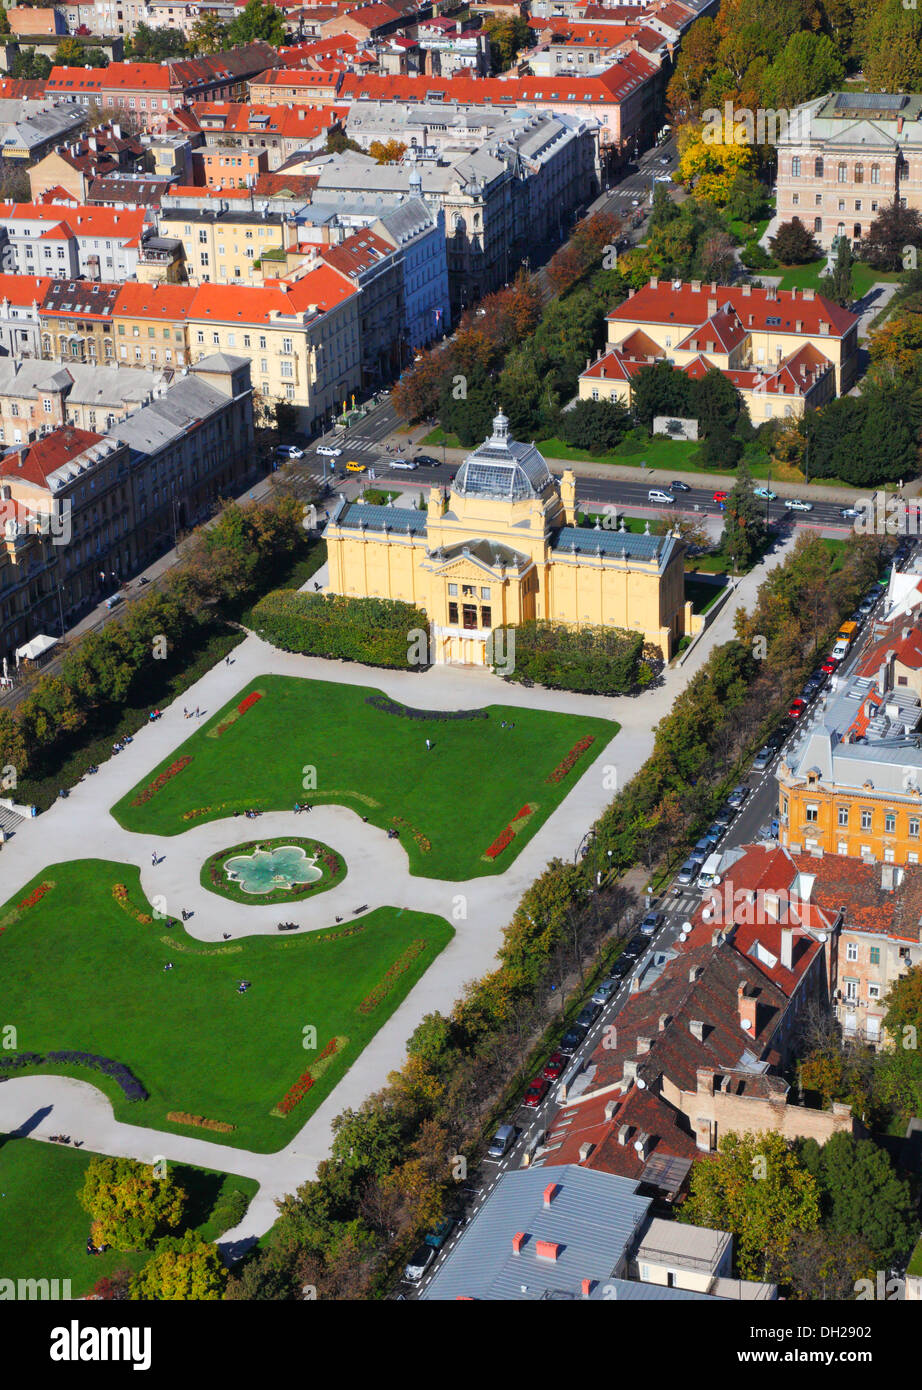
(186, 403)
(630, 1291)
(374, 518)
(593, 1217)
(586, 540)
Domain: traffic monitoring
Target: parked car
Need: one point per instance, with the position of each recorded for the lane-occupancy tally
(717, 828)
(604, 992)
(571, 1040)
(622, 965)
(656, 494)
(868, 603)
(678, 486)
(289, 451)
(765, 492)
(797, 504)
(418, 1263)
(634, 948)
(587, 1016)
(666, 159)
(555, 1066)
(762, 759)
(651, 923)
(440, 1233)
(797, 708)
(426, 461)
(502, 1141)
(704, 846)
(327, 451)
(114, 600)
(738, 796)
(830, 665)
(821, 677)
(688, 872)
(536, 1092)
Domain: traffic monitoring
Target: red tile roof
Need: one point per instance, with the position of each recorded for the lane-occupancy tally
(165, 302)
(907, 650)
(685, 306)
(641, 1111)
(857, 887)
(34, 462)
(24, 289)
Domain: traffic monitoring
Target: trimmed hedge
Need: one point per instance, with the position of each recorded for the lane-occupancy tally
(594, 660)
(374, 631)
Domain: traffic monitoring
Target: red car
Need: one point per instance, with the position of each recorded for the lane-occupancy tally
(536, 1092)
(797, 708)
(829, 666)
(554, 1066)
(720, 497)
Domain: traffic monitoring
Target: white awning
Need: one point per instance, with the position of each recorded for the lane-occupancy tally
(36, 648)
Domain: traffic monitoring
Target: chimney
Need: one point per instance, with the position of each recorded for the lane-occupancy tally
(547, 1249)
(747, 1010)
(899, 125)
(585, 1150)
(518, 1240)
(611, 1107)
(787, 947)
(696, 286)
(550, 1192)
(586, 1287)
(886, 877)
(623, 1133)
(635, 984)
(713, 287)
(643, 1046)
(654, 282)
(771, 905)
(704, 1081)
(696, 1028)
(694, 973)
(664, 1019)
(642, 1144)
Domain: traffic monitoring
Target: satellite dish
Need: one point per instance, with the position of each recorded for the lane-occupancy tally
(707, 914)
(716, 879)
(686, 926)
(641, 1084)
(745, 1024)
(822, 936)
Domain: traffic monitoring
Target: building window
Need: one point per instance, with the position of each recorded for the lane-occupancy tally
(914, 827)
(818, 169)
(842, 847)
(485, 594)
(486, 616)
(859, 173)
(453, 588)
(875, 955)
(46, 404)
(889, 823)
(812, 813)
(866, 820)
(843, 815)
(841, 173)
(795, 199)
(873, 991)
(453, 614)
(851, 990)
(289, 391)
(875, 173)
(851, 951)
(795, 167)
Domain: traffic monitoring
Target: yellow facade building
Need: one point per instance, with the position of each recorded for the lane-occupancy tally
(502, 547)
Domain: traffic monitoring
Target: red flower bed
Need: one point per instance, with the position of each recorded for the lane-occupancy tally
(380, 991)
(562, 768)
(250, 700)
(35, 896)
(525, 811)
(500, 843)
(162, 780)
(304, 1082)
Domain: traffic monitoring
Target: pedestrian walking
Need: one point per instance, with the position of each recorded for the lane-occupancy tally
(153, 859)
(198, 712)
(428, 744)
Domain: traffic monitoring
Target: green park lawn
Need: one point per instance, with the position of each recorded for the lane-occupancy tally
(43, 1227)
(806, 277)
(449, 803)
(81, 972)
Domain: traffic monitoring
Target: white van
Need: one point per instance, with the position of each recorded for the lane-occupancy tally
(709, 876)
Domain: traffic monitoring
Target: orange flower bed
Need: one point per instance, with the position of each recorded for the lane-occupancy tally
(162, 780)
(304, 1082)
(382, 990)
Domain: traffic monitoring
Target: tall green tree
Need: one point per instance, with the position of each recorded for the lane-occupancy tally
(861, 1194)
(757, 1188)
(838, 286)
(183, 1268)
(893, 230)
(130, 1206)
(260, 19)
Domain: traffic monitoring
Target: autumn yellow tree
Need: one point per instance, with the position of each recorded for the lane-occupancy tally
(711, 165)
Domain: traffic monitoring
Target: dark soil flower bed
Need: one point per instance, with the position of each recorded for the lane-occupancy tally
(126, 1079)
(388, 706)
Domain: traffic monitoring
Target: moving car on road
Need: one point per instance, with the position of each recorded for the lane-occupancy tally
(289, 451)
(408, 464)
(426, 461)
(327, 451)
(720, 496)
(678, 486)
(656, 494)
(765, 492)
(797, 504)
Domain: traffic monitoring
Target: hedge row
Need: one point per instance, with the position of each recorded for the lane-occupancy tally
(371, 630)
(594, 660)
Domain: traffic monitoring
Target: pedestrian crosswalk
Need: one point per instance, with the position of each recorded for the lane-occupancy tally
(360, 441)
